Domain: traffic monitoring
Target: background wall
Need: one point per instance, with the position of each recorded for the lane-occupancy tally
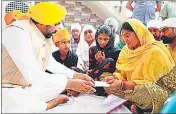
(77, 12)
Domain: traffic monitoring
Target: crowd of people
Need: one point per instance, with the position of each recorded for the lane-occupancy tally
(139, 63)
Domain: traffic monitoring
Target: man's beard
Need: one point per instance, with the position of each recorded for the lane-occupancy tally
(157, 38)
(48, 35)
(77, 39)
(167, 40)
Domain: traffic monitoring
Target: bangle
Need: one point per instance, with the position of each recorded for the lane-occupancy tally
(123, 85)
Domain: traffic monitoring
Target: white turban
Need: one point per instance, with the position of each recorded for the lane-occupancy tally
(76, 26)
(154, 23)
(170, 22)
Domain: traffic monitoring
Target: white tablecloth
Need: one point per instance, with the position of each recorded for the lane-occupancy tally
(28, 104)
(85, 104)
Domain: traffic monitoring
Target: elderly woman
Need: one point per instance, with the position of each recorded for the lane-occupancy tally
(87, 39)
(145, 71)
(113, 23)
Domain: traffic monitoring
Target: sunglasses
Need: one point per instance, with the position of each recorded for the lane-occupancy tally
(87, 31)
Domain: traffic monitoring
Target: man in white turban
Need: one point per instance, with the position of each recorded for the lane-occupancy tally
(154, 27)
(76, 31)
(168, 30)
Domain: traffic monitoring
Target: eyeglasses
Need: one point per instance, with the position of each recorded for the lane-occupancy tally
(87, 31)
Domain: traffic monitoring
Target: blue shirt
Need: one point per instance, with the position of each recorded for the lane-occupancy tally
(144, 11)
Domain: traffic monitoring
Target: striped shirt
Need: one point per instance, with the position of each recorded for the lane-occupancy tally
(74, 45)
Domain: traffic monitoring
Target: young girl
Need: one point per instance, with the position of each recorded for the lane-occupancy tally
(103, 56)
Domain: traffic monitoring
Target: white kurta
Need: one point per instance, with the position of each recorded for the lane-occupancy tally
(44, 86)
(83, 54)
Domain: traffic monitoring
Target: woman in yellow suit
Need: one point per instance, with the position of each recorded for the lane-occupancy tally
(145, 71)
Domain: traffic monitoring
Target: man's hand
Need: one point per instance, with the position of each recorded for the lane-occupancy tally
(84, 77)
(72, 93)
(58, 100)
(80, 85)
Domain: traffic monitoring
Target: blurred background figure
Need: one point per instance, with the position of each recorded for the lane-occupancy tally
(76, 32)
(169, 10)
(168, 31)
(113, 23)
(144, 10)
(154, 27)
(87, 39)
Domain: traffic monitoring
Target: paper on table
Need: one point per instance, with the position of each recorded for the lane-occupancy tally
(101, 84)
(111, 103)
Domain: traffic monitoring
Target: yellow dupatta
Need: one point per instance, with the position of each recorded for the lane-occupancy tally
(148, 62)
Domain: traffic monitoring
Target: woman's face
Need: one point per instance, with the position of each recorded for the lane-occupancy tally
(88, 35)
(103, 39)
(130, 38)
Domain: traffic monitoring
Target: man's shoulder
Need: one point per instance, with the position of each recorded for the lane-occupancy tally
(20, 24)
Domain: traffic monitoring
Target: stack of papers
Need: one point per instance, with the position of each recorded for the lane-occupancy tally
(111, 103)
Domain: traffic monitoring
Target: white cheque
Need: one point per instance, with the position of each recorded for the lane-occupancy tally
(101, 84)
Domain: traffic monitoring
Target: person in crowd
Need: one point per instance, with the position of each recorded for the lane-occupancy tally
(103, 56)
(169, 10)
(76, 32)
(168, 31)
(154, 27)
(144, 68)
(113, 23)
(144, 10)
(53, 46)
(87, 40)
(14, 15)
(64, 56)
(27, 55)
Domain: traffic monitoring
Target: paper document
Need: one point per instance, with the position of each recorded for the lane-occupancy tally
(101, 84)
(111, 103)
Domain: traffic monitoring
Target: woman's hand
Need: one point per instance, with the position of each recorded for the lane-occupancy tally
(109, 78)
(100, 56)
(115, 84)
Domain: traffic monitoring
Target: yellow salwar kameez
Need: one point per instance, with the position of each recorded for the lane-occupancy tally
(150, 66)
